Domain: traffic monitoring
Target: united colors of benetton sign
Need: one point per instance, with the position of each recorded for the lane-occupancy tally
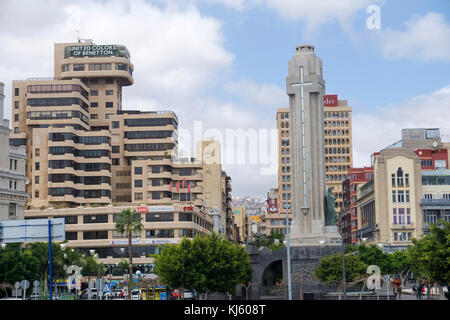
(96, 51)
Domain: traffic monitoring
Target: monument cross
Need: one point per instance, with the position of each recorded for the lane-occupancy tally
(302, 84)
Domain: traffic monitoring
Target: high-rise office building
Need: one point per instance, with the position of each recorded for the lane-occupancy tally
(76, 134)
(88, 158)
(338, 144)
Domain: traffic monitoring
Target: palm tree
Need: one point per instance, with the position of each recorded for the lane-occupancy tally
(129, 222)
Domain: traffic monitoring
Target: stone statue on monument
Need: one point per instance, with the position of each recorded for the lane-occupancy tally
(330, 211)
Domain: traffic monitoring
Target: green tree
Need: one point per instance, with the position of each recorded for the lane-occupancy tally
(430, 256)
(329, 269)
(129, 222)
(401, 265)
(372, 255)
(270, 241)
(206, 263)
(17, 265)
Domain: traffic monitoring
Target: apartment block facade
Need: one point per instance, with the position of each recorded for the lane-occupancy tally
(12, 171)
(85, 152)
(338, 145)
(409, 190)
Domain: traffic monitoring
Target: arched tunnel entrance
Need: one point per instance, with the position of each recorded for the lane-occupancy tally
(272, 278)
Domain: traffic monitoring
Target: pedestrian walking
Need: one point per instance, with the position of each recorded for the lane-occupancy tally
(419, 288)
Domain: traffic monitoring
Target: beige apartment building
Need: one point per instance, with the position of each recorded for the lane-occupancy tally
(87, 154)
(338, 153)
(274, 219)
(410, 190)
(217, 187)
(93, 228)
(338, 145)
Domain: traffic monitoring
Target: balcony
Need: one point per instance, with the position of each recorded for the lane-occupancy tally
(435, 203)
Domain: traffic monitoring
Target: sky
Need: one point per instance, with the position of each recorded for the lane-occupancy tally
(221, 65)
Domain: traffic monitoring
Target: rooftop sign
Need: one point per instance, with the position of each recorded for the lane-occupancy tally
(330, 100)
(96, 51)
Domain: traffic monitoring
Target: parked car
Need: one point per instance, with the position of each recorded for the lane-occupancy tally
(190, 295)
(85, 294)
(136, 294)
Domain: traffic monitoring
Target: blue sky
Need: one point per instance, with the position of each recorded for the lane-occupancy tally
(354, 66)
(223, 63)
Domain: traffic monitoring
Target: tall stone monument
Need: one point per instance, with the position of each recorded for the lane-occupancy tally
(305, 87)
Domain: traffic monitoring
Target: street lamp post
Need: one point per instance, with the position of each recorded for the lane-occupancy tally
(344, 280)
(284, 143)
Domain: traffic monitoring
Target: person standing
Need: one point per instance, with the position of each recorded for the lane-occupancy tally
(419, 290)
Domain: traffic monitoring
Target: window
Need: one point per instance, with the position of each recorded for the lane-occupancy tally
(115, 124)
(401, 197)
(94, 81)
(156, 195)
(115, 161)
(109, 104)
(37, 152)
(36, 194)
(94, 93)
(393, 179)
(185, 216)
(16, 117)
(428, 196)
(12, 209)
(94, 116)
(156, 169)
(71, 219)
(109, 81)
(440, 164)
(36, 179)
(99, 66)
(115, 149)
(138, 196)
(109, 92)
(163, 233)
(95, 218)
(155, 217)
(400, 177)
(65, 67)
(16, 104)
(394, 200)
(138, 170)
(407, 196)
(94, 104)
(427, 163)
(72, 235)
(36, 166)
(138, 183)
(92, 235)
(78, 67)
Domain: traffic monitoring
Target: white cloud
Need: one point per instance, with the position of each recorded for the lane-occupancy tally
(179, 56)
(424, 38)
(176, 53)
(373, 132)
